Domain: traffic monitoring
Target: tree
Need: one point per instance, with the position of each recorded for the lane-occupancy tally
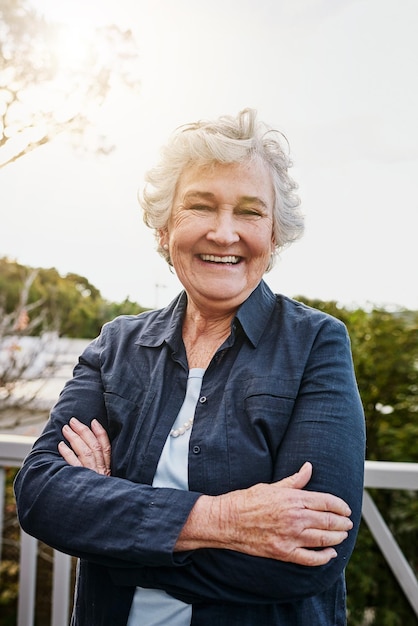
(71, 305)
(21, 363)
(36, 307)
(46, 89)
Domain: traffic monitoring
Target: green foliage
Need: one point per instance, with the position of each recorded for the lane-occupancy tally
(385, 354)
(71, 305)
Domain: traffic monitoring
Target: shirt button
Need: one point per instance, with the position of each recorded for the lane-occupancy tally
(196, 449)
(202, 400)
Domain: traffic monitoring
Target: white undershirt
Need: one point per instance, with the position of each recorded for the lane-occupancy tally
(153, 607)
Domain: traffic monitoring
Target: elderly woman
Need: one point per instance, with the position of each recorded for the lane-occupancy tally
(212, 472)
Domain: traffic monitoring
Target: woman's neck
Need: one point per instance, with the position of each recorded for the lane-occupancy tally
(203, 334)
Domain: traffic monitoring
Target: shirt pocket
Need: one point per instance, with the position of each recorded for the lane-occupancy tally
(263, 409)
(268, 406)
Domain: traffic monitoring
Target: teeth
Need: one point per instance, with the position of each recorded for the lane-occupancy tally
(219, 259)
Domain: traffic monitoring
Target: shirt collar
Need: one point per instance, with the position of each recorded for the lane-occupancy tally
(255, 312)
(165, 325)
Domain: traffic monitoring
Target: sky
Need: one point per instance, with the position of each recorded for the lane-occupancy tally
(339, 79)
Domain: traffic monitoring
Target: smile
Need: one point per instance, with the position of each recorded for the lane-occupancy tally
(220, 259)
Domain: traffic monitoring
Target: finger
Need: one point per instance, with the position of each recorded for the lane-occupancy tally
(104, 442)
(93, 442)
(332, 521)
(79, 447)
(319, 501)
(85, 445)
(312, 558)
(316, 500)
(83, 431)
(68, 455)
(320, 520)
(92, 449)
(299, 480)
(314, 538)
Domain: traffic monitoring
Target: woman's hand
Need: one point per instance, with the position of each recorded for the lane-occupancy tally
(90, 447)
(278, 521)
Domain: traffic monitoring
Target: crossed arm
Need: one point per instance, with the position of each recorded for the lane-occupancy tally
(279, 521)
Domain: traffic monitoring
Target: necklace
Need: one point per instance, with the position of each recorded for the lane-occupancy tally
(177, 432)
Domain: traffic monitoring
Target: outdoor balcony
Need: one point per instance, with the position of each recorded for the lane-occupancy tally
(378, 475)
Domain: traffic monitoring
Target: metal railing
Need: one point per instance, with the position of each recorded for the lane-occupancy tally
(386, 475)
(378, 474)
(13, 449)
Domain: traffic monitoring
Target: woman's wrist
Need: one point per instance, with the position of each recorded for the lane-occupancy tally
(208, 524)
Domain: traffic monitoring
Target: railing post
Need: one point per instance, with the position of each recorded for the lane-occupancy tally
(2, 500)
(61, 589)
(27, 580)
(391, 551)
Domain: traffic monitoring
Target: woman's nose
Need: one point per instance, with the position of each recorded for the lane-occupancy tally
(223, 230)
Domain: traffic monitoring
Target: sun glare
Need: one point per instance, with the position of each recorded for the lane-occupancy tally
(75, 24)
(72, 47)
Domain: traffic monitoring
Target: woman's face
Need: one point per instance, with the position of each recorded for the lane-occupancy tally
(220, 233)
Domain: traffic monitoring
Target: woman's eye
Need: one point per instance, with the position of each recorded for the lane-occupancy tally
(250, 213)
(200, 207)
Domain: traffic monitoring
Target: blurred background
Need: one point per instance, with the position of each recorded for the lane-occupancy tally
(90, 90)
(95, 88)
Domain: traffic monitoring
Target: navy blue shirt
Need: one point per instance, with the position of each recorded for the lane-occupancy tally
(280, 391)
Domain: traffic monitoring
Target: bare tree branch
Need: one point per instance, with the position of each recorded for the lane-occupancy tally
(43, 94)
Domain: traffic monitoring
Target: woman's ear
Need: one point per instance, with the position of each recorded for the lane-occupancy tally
(163, 238)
